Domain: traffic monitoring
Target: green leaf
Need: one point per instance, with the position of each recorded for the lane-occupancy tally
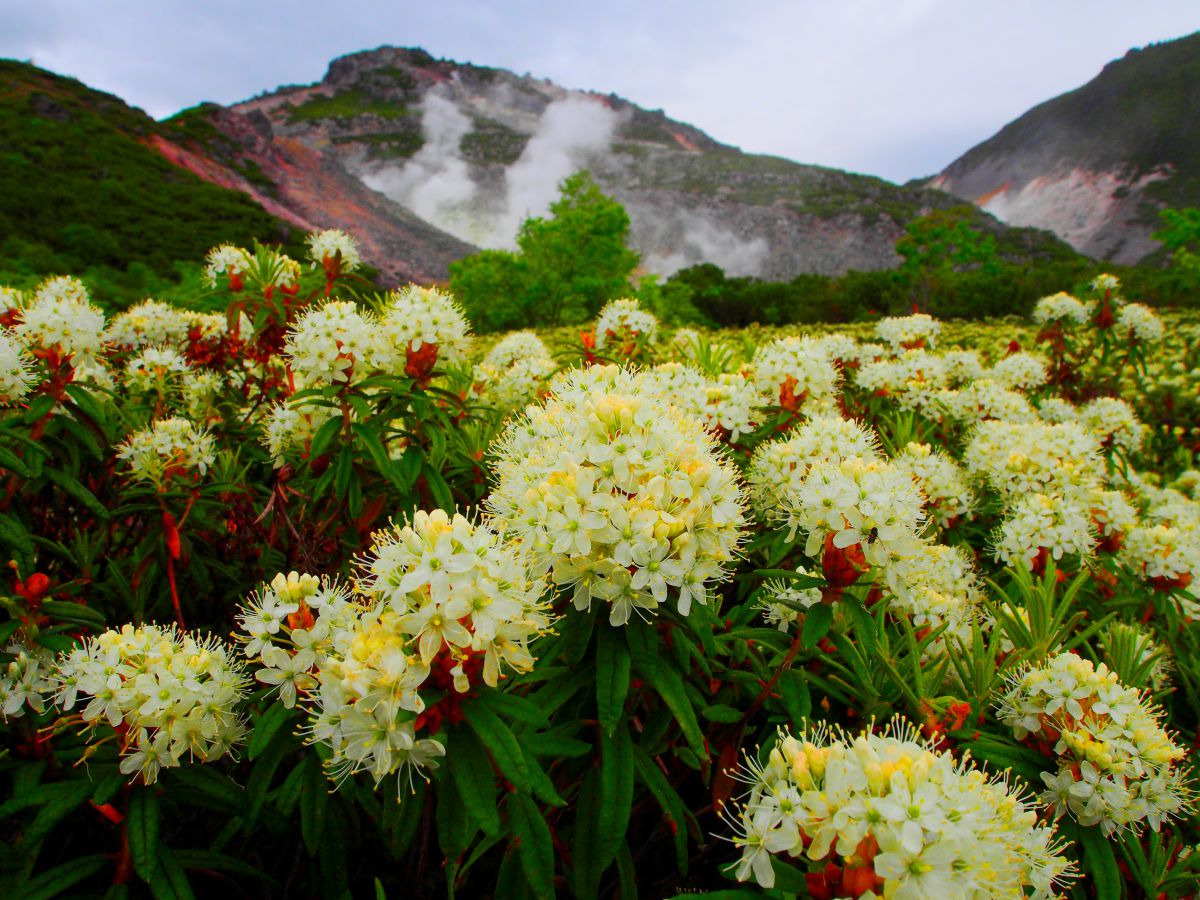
(543, 787)
(438, 487)
(54, 881)
(472, 773)
(798, 579)
(220, 862)
(788, 878)
(533, 843)
(576, 631)
(643, 640)
(141, 825)
(668, 800)
(612, 676)
(314, 804)
(73, 488)
(616, 789)
(343, 471)
(454, 828)
(13, 463)
(585, 875)
(379, 456)
(550, 744)
(171, 882)
(323, 436)
(62, 800)
(515, 708)
(719, 712)
(669, 685)
(13, 534)
(1101, 863)
(74, 613)
(266, 727)
(817, 622)
(500, 742)
(793, 688)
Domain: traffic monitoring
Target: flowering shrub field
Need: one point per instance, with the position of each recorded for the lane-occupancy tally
(319, 598)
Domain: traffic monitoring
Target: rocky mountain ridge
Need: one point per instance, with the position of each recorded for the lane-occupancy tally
(1096, 164)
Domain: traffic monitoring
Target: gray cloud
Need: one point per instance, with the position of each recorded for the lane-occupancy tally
(834, 84)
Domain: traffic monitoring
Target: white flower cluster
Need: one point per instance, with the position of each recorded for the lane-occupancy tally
(623, 497)
(1037, 525)
(415, 319)
(27, 680)
(909, 379)
(984, 399)
(622, 322)
(146, 323)
(779, 469)
(325, 246)
(168, 447)
(61, 316)
(936, 586)
(440, 598)
(1167, 555)
(514, 347)
(331, 344)
(906, 332)
(940, 479)
(783, 602)
(16, 368)
(726, 404)
(1019, 372)
(159, 369)
(895, 819)
(166, 693)
(1138, 322)
(1116, 766)
(1016, 458)
(963, 366)
(1113, 422)
(514, 385)
(226, 260)
(288, 429)
(794, 371)
(1061, 307)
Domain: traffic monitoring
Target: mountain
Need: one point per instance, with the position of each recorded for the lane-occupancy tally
(474, 150)
(1095, 165)
(424, 161)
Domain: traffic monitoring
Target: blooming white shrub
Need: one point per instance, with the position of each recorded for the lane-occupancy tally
(167, 448)
(167, 695)
(622, 497)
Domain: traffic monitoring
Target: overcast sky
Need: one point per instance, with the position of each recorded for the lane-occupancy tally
(897, 88)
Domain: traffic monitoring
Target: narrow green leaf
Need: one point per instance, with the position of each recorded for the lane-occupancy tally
(533, 843)
(576, 631)
(500, 742)
(72, 487)
(314, 804)
(668, 800)
(585, 875)
(643, 640)
(515, 708)
(141, 825)
(793, 688)
(817, 621)
(626, 872)
(54, 881)
(74, 613)
(612, 676)
(323, 436)
(616, 789)
(268, 724)
(550, 744)
(543, 787)
(343, 471)
(1101, 863)
(719, 712)
(669, 685)
(438, 487)
(472, 773)
(220, 862)
(171, 882)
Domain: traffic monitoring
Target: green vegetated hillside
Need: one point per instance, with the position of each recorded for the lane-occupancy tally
(81, 190)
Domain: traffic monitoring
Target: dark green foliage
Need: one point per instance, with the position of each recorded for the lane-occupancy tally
(346, 105)
(81, 190)
(567, 265)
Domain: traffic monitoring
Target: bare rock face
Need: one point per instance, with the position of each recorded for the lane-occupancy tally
(1097, 164)
(473, 151)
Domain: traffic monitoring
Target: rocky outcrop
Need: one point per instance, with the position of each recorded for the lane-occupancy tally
(1097, 164)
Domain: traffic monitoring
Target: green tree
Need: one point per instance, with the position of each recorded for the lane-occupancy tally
(567, 265)
(1180, 234)
(939, 244)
